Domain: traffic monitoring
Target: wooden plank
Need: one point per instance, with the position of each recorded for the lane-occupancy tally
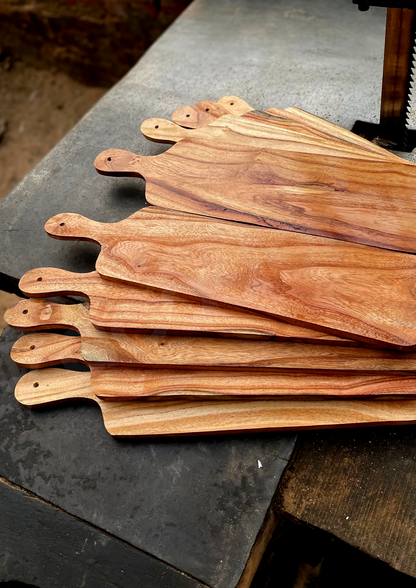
(368, 477)
(346, 289)
(102, 347)
(314, 186)
(131, 309)
(126, 382)
(138, 418)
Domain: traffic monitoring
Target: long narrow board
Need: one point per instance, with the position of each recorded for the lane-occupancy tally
(133, 309)
(161, 418)
(158, 351)
(346, 289)
(206, 112)
(126, 383)
(242, 169)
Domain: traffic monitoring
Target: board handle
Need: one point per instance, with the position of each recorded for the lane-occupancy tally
(73, 226)
(161, 130)
(44, 349)
(34, 315)
(48, 281)
(235, 105)
(117, 162)
(200, 115)
(51, 385)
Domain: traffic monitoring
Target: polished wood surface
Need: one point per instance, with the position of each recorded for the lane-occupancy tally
(100, 347)
(138, 418)
(127, 382)
(346, 289)
(244, 170)
(131, 309)
(205, 112)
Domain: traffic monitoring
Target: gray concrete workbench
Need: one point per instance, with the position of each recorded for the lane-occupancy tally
(180, 512)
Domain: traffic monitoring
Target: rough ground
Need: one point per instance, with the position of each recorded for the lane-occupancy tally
(38, 108)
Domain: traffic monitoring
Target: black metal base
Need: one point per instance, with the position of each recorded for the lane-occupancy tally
(375, 133)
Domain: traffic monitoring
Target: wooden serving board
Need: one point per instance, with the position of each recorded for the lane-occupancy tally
(127, 382)
(131, 309)
(170, 417)
(158, 351)
(198, 116)
(318, 186)
(346, 289)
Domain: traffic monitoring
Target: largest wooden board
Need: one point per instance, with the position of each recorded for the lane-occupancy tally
(351, 290)
(104, 348)
(143, 419)
(133, 309)
(243, 169)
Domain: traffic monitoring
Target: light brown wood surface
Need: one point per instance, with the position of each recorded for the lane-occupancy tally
(204, 112)
(121, 307)
(105, 348)
(346, 289)
(318, 186)
(139, 418)
(254, 129)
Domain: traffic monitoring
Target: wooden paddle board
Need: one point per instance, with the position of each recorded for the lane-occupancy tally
(253, 175)
(134, 309)
(170, 417)
(346, 289)
(164, 351)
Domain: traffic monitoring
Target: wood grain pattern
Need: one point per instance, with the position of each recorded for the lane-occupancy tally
(131, 309)
(287, 134)
(346, 289)
(127, 382)
(314, 186)
(138, 418)
(105, 348)
(206, 111)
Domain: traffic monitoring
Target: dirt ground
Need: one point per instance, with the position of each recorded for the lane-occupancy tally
(38, 108)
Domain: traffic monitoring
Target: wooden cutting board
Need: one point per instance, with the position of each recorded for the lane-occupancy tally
(127, 382)
(131, 309)
(158, 351)
(346, 289)
(198, 116)
(252, 175)
(169, 417)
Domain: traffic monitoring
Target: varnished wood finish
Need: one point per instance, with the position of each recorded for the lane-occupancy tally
(351, 290)
(100, 347)
(132, 309)
(138, 418)
(127, 382)
(331, 130)
(296, 183)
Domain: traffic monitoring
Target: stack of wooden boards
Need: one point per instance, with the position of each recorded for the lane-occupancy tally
(271, 284)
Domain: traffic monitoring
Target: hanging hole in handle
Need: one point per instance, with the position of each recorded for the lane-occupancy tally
(36, 385)
(39, 280)
(32, 347)
(25, 311)
(188, 115)
(108, 158)
(231, 103)
(62, 224)
(157, 126)
(207, 110)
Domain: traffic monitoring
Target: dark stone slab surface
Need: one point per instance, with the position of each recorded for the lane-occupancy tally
(195, 503)
(324, 56)
(43, 546)
(359, 485)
